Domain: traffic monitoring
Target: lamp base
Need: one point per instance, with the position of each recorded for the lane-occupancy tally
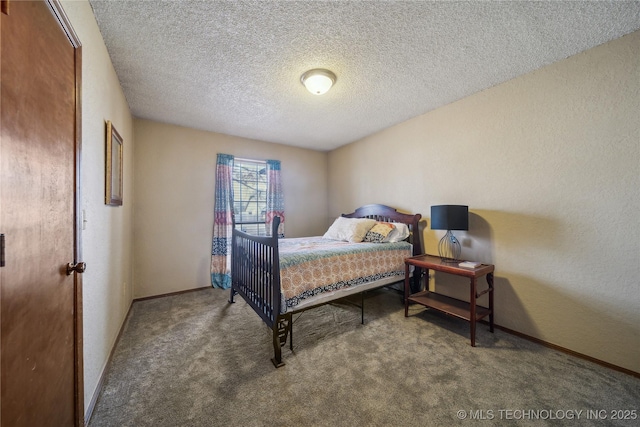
(449, 248)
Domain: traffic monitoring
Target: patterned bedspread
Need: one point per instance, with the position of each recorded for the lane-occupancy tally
(311, 266)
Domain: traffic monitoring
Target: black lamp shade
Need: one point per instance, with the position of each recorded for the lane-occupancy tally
(449, 217)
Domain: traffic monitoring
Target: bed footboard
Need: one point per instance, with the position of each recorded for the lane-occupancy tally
(255, 275)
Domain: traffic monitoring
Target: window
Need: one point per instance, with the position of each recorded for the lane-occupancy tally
(250, 195)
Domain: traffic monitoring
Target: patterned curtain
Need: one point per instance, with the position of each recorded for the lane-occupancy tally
(222, 223)
(275, 197)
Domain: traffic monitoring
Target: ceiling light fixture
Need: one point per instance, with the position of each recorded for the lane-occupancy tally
(318, 81)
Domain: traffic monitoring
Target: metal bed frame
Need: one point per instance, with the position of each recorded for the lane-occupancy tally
(255, 272)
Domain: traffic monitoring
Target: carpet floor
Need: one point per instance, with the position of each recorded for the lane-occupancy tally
(192, 359)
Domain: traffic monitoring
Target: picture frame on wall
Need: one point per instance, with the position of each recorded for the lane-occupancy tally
(113, 166)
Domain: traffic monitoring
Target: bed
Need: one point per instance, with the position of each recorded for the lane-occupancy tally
(282, 277)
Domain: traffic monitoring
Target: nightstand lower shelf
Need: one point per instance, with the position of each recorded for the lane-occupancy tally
(448, 305)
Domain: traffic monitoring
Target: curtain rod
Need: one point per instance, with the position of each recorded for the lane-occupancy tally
(250, 160)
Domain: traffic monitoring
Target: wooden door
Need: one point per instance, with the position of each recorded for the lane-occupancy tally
(40, 303)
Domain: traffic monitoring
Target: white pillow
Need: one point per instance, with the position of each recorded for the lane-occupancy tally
(398, 234)
(349, 229)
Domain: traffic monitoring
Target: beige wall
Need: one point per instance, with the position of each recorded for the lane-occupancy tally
(174, 187)
(107, 238)
(539, 160)
(549, 164)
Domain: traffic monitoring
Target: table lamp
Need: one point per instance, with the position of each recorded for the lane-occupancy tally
(449, 217)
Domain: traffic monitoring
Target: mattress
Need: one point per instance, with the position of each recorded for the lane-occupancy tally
(314, 270)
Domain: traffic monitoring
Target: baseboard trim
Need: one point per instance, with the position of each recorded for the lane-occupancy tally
(566, 351)
(98, 389)
(172, 293)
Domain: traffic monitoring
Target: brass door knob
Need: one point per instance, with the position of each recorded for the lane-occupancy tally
(78, 268)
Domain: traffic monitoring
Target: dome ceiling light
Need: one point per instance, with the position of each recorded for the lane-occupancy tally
(318, 81)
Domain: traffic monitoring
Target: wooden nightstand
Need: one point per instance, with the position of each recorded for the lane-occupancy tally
(468, 311)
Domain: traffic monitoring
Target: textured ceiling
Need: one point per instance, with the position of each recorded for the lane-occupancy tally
(234, 66)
